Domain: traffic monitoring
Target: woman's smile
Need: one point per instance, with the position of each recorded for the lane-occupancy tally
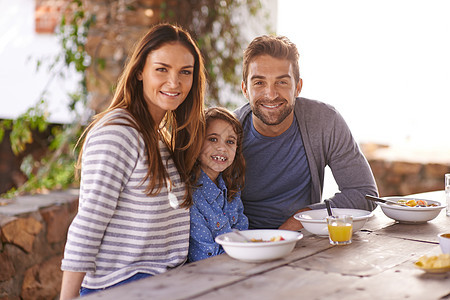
(167, 78)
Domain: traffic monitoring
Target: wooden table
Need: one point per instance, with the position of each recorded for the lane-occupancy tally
(377, 265)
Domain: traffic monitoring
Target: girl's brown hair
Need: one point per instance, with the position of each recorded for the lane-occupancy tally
(182, 129)
(234, 175)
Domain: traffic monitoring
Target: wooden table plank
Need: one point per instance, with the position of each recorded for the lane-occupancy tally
(175, 284)
(424, 232)
(285, 282)
(368, 254)
(402, 282)
(378, 221)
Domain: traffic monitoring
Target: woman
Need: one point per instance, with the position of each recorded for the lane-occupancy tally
(133, 220)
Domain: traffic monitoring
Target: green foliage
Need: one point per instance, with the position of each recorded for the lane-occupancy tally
(73, 36)
(35, 118)
(55, 170)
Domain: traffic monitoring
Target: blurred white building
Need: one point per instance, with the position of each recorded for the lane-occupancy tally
(20, 49)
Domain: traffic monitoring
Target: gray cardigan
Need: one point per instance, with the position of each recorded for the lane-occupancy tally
(328, 141)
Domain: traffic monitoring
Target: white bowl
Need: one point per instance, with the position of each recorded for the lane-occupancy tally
(406, 214)
(315, 221)
(236, 247)
(444, 242)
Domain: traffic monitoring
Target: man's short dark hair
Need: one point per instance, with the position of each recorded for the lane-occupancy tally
(275, 46)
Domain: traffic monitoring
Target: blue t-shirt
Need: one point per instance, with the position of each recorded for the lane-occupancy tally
(277, 177)
(212, 215)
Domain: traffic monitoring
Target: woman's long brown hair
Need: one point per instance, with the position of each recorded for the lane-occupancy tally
(234, 175)
(182, 129)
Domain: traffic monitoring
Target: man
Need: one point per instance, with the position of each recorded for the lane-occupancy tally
(288, 142)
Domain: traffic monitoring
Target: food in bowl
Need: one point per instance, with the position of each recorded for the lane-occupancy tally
(273, 239)
(416, 203)
(314, 221)
(434, 264)
(409, 213)
(261, 250)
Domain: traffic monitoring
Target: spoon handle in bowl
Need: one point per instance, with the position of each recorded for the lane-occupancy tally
(327, 204)
(241, 235)
(376, 199)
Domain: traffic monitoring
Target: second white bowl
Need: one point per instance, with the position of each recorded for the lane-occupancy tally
(315, 221)
(406, 214)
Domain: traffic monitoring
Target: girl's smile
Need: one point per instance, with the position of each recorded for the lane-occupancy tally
(219, 148)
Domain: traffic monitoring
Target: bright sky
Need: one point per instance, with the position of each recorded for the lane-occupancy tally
(385, 64)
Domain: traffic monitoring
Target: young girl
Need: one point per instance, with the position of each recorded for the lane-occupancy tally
(133, 220)
(219, 174)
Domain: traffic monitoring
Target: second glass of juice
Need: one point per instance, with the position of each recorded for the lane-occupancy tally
(340, 229)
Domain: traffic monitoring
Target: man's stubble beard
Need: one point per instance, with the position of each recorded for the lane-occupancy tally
(267, 120)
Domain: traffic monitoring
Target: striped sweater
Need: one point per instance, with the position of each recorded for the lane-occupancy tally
(120, 231)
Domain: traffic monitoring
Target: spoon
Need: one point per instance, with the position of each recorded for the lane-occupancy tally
(241, 235)
(376, 199)
(327, 203)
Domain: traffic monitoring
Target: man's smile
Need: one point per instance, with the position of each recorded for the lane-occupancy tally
(272, 105)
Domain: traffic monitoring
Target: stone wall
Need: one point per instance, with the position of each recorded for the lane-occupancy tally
(408, 169)
(402, 178)
(33, 232)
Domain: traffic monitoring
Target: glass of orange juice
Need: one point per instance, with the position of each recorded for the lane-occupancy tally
(340, 229)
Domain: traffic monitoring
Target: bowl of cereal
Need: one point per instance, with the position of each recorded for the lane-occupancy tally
(258, 245)
(411, 210)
